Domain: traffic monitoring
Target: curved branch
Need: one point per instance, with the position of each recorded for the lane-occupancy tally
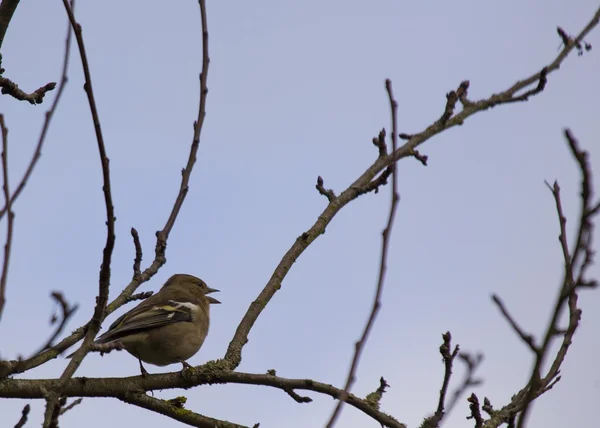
(233, 355)
(7, 10)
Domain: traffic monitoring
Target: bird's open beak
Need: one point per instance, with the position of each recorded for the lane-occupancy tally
(212, 299)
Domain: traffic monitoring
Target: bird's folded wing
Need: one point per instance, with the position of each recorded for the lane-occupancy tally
(144, 318)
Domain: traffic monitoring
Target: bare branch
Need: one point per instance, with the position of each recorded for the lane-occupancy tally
(69, 406)
(385, 242)
(448, 359)
(49, 114)
(11, 215)
(527, 338)
(168, 408)
(469, 380)
(66, 312)
(104, 277)
(576, 264)
(209, 373)
(233, 355)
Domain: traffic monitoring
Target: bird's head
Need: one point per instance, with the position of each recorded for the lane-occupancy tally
(185, 279)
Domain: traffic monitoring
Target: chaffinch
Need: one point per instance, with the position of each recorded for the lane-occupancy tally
(168, 327)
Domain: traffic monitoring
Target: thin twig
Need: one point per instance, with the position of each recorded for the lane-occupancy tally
(395, 197)
(448, 357)
(328, 193)
(24, 415)
(187, 171)
(576, 264)
(49, 115)
(469, 380)
(11, 215)
(527, 338)
(137, 261)
(67, 311)
(68, 407)
(367, 181)
(104, 276)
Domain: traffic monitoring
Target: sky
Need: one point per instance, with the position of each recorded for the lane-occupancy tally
(296, 90)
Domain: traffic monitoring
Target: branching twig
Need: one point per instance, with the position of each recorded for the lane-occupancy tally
(67, 311)
(385, 242)
(11, 215)
(49, 114)
(576, 264)
(469, 380)
(233, 355)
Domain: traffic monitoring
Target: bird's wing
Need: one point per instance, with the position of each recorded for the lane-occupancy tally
(147, 317)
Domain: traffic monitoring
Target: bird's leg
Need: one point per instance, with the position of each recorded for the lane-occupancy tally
(142, 369)
(185, 364)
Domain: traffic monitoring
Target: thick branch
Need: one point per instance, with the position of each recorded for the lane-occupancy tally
(209, 373)
(165, 407)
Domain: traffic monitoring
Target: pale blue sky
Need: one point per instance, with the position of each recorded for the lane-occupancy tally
(296, 91)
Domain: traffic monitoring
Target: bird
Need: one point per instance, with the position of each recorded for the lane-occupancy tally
(169, 327)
